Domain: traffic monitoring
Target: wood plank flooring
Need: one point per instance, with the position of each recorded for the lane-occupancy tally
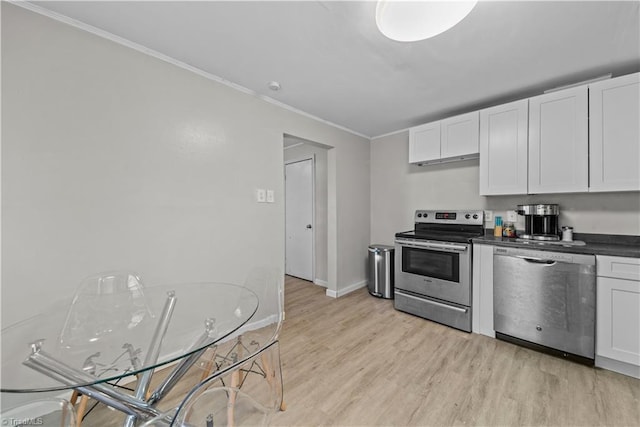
(355, 361)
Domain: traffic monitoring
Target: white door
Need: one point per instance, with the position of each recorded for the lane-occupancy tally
(299, 219)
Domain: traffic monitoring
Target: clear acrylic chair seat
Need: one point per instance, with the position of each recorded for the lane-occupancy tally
(226, 406)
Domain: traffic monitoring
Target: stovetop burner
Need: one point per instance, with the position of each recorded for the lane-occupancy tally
(446, 226)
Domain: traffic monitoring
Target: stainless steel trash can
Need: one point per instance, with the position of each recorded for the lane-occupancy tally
(380, 271)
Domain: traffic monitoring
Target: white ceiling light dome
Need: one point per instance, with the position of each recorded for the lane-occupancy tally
(409, 21)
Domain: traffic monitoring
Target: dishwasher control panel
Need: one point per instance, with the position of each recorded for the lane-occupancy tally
(533, 254)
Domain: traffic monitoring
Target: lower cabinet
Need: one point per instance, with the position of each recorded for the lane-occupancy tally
(618, 315)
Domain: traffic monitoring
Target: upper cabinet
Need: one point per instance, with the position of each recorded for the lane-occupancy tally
(459, 136)
(424, 143)
(586, 138)
(454, 138)
(503, 149)
(583, 138)
(558, 142)
(614, 132)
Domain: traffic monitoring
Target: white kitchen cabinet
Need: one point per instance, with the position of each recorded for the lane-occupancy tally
(503, 149)
(618, 314)
(482, 292)
(424, 143)
(445, 140)
(459, 136)
(558, 142)
(614, 133)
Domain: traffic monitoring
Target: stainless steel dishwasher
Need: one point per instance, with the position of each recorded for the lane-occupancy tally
(546, 300)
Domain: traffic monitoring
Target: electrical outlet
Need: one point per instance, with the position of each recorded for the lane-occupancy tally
(488, 216)
(512, 216)
(270, 196)
(261, 195)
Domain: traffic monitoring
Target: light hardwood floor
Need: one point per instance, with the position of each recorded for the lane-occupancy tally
(355, 361)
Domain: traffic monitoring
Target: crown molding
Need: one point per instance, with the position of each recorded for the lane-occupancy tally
(147, 51)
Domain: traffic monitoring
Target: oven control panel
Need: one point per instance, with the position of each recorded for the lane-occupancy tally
(450, 217)
(446, 215)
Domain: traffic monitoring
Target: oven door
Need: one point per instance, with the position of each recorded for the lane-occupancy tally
(434, 269)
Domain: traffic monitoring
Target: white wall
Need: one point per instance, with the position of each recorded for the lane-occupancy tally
(115, 159)
(398, 189)
(303, 151)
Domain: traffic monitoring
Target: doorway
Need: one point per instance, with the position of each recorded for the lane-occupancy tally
(297, 151)
(299, 218)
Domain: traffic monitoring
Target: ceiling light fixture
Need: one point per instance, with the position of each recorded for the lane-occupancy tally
(409, 21)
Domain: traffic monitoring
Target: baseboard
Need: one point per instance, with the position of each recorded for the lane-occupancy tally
(344, 291)
(617, 366)
(255, 325)
(319, 282)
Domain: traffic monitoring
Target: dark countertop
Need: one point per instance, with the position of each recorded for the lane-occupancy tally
(596, 244)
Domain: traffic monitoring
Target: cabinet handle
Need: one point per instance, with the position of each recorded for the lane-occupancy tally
(438, 304)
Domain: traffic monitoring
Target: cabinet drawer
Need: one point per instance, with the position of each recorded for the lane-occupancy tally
(618, 267)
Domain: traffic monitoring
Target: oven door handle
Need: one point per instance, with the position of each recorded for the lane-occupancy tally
(437, 246)
(428, 301)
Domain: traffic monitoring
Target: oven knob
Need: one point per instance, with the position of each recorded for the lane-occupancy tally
(419, 215)
(467, 216)
(475, 216)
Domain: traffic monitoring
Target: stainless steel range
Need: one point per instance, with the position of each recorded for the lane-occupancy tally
(433, 266)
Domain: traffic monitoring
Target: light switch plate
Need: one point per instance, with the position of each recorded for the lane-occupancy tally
(488, 216)
(270, 196)
(261, 195)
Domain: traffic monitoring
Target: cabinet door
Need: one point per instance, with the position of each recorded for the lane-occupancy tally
(424, 143)
(482, 293)
(459, 136)
(503, 149)
(558, 142)
(614, 132)
(618, 320)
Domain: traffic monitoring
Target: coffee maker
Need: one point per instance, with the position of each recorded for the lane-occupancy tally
(540, 221)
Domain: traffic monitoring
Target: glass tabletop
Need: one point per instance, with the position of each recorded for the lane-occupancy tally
(109, 337)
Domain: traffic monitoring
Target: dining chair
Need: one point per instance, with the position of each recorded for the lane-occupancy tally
(241, 383)
(223, 399)
(269, 284)
(104, 303)
(44, 412)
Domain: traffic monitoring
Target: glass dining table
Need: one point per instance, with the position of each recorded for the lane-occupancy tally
(90, 343)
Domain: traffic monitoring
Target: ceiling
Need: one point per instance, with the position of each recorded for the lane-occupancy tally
(332, 63)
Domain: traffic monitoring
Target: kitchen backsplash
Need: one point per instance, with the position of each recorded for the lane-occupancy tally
(398, 189)
(599, 213)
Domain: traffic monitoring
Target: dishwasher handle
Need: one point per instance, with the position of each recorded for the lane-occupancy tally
(536, 260)
(545, 257)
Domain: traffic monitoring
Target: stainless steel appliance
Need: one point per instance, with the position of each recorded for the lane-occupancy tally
(433, 266)
(540, 221)
(546, 300)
